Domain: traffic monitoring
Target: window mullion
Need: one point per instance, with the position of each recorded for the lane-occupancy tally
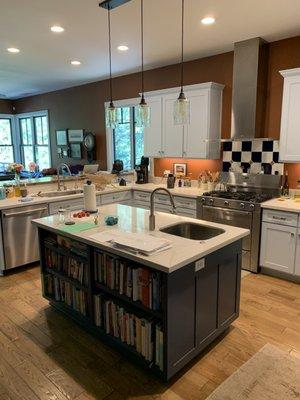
(132, 137)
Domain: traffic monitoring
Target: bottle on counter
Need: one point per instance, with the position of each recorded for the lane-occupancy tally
(171, 181)
(285, 189)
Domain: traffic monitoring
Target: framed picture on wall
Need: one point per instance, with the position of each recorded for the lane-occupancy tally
(180, 169)
(75, 135)
(75, 150)
(61, 137)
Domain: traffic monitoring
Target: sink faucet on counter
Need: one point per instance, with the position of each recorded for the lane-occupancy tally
(152, 216)
(59, 183)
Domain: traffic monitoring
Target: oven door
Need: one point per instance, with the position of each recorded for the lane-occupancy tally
(241, 219)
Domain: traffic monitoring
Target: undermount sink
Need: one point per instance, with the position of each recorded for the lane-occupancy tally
(190, 230)
(61, 193)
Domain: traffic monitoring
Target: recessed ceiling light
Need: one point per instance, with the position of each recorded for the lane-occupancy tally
(75, 62)
(57, 29)
(123, 48)
(13, 50)
(208, 20)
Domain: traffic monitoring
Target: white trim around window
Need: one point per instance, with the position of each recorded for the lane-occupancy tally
(109, 138)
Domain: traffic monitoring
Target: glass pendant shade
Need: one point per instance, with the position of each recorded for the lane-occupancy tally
(143, 114)
(181, 110)
(111, 116)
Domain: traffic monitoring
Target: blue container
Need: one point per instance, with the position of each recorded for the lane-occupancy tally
(2, 193)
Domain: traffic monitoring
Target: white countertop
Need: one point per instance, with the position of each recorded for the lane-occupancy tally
(289, 205)
(136, 220)
(148, 187)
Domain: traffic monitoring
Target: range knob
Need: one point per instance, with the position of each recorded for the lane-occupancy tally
(252, 206)
(203, 200)
(211, 201)
(226, 203)
(242, 205)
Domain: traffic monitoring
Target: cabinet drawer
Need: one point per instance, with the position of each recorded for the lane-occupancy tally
(115, 197)
(141, 196)
(185, 202)
(280, 217)
(75, 204)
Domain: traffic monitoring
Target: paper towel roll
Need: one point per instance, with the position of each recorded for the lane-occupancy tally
(89, 194)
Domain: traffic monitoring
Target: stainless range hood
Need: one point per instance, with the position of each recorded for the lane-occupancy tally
(250, 70)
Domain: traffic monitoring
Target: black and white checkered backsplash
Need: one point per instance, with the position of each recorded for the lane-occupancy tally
(252, 156)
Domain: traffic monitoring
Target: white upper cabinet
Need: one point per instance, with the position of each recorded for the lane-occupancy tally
(198, 139)
(153, 134)
(290, 117)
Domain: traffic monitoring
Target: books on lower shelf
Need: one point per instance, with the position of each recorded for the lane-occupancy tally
(65, 292)
(66, 265)
(143, 334)
(137, 283)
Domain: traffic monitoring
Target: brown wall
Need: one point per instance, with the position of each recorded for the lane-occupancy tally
(83, 106)
(6, 106)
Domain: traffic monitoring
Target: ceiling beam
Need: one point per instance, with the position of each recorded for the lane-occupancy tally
(111, 4)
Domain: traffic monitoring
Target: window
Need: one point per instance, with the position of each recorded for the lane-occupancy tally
(34, 139)
(128, 139)
(6, 142)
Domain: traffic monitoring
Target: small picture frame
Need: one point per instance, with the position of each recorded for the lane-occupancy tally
(180, 169)
(75, 135)
(65, 152)
(61, 137)
(75, 150)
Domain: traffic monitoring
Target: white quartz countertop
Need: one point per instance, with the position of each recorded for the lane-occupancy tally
(136, 220)
(289, 205)
(148, 187)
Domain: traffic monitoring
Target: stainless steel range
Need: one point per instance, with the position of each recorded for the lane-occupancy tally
(238, 204)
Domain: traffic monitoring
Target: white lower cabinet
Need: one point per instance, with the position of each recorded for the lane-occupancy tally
(278, 246)
(280, 242)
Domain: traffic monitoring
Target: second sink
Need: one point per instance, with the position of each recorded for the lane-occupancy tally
(190, 230)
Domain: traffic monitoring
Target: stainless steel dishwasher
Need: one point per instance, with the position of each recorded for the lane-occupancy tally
(20, 241)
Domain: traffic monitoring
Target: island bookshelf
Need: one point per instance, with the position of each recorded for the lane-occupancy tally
(161, 328)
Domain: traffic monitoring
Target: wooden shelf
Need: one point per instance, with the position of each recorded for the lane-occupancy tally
(66, 252)
(67, 279)
(68, 310)
(134, 305)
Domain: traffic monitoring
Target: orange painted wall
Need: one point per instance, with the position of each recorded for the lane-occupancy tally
(194, 167)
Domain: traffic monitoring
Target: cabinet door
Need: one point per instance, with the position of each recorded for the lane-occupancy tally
(153, 134)
(206, 300)
(278, 246)
(172, 134)
(290, 120)
(297, 262)
(196, 132)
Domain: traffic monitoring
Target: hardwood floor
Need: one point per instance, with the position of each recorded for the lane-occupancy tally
(44, 355)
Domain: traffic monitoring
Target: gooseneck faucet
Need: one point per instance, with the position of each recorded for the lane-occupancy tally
(152, 216)
(62, 165)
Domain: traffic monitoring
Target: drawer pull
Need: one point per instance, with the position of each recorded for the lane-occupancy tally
(279, 218)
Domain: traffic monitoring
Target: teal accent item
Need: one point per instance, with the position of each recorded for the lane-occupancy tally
(110, 220)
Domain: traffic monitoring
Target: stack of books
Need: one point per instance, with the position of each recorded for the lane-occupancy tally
(66, 265)
(141, 333)
(137, 283)
(67, 293)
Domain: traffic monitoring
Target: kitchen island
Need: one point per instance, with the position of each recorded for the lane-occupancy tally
(160, 310)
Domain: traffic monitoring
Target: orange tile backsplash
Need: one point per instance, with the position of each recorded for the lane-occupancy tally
(194, 167)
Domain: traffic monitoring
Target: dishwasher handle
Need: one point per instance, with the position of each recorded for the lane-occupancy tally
(21, 213)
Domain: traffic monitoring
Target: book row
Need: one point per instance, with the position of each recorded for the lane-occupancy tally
(67, 265)
(137, 283)
(143, 334)
(67, 293)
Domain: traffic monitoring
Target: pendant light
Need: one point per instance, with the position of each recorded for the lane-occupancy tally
(142, 110)
(111, 114)
(182, 105)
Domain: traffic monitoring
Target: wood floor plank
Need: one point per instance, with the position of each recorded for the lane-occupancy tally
(45, 355)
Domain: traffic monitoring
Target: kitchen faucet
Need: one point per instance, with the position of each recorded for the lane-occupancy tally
(152, 216)
(59, 183)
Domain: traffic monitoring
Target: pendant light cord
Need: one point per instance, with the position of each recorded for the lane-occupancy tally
(109, 50)
(182, 42)
(142, 45)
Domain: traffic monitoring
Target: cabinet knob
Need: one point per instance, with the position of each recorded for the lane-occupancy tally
(292, 234)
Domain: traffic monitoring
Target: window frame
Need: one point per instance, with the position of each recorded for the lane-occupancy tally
(34, 145)
(11, 117)
(110, 134)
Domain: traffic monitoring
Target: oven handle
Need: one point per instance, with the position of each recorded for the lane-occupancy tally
(228, 210)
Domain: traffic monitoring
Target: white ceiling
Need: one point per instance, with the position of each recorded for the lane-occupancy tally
(44, 61)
